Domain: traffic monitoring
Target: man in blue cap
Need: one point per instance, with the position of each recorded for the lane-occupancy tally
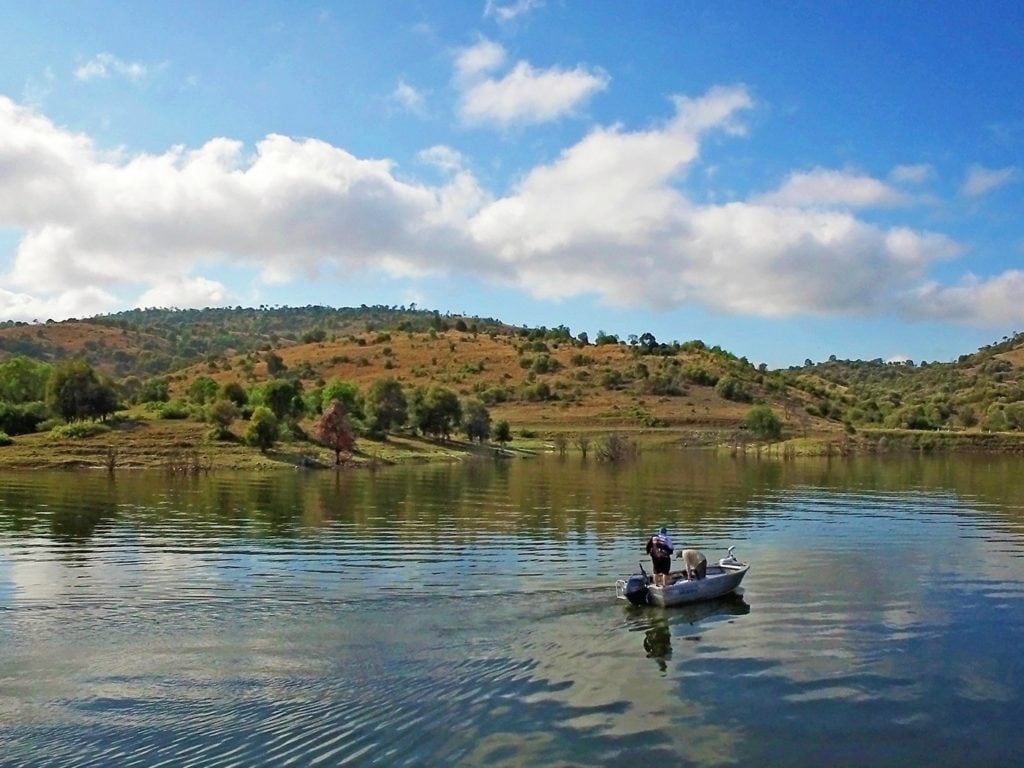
(659, 547)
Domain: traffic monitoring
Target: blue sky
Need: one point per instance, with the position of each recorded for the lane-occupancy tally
(788, 181)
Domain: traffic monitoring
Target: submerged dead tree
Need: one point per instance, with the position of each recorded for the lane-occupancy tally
(616, 448)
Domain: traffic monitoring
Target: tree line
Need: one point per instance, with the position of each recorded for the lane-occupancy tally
(33, 393)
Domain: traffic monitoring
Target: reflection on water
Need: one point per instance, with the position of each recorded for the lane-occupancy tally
(464, 615)
(683, 621)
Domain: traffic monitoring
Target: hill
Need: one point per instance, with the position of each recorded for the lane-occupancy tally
(983, 389)
(544, 382)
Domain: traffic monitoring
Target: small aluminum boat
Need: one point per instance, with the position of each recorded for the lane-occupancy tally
(721, 579)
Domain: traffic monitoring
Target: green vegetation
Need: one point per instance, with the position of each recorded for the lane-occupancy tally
(261, 380)
(762, 422)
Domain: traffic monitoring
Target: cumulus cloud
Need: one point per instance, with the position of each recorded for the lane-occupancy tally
(524, 95)
(185, 292)
(825, 188)
(103, 65)
(992, 302)
(409, 98)
(154, 220)
(980, 181)
(608, 217)
(443, 157)
(77, 302)
(509, 11)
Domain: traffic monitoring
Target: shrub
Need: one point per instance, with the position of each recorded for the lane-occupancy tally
(763, 422)
(262, 430)
(172, 411)
(79, 429)
(21, 419)
(5, 439)
(733, 389)
(700, 375)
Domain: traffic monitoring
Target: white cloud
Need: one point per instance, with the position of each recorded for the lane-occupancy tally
(409, 98)
(825, 188)
(994, 302)
(525, 95)
(103, 65)
(80, 302)
(477, 60)
(911, 174)
(153, 221)
(980, 181)
(607, 217)
(442, 157)
(510, 11)
(185, 292)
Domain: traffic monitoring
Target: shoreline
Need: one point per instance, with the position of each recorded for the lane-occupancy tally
(182, 447)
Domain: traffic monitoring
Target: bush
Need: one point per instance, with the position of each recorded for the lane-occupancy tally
(5, 439)
(733, 389)
(80, 429)
(763, 422)
(262, 431)
(173, 410)
(21, 419)
(698, 374)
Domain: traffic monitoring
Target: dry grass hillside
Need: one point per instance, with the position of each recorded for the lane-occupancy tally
(542, 384)
(60, 341)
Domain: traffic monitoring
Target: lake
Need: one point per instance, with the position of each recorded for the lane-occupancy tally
(465, 615)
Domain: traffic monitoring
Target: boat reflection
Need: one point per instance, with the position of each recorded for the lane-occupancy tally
(659, 624)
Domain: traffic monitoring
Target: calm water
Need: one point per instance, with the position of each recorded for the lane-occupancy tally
(465, 616)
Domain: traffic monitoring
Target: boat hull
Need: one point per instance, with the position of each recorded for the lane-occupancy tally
(720, 580)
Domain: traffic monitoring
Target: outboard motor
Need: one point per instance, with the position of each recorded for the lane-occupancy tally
(636, 587)
(730, 559)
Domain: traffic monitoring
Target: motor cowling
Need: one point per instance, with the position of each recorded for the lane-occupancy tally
(636, 589)
(730, 559)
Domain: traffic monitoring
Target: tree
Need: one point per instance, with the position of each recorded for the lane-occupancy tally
(283, 397)
(262, 430)
(763, 422)
(348, 393)
(731, 388)
(436, 411)
(335, 431)
(275, 365)
(234, 392)
(154, 390)
(386, 405)
(502, 432)
(23, 380)
(75, 392)
(222, 414)
(995, 419)
(476, 421)
(202, 390)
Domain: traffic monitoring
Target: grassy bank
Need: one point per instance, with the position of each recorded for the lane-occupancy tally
(137, 442)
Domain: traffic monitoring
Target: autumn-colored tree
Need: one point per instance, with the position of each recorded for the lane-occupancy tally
(335, 431)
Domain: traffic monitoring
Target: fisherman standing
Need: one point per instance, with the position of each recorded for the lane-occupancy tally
(659, 547)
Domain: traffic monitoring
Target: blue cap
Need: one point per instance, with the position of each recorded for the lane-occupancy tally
(663, 530)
